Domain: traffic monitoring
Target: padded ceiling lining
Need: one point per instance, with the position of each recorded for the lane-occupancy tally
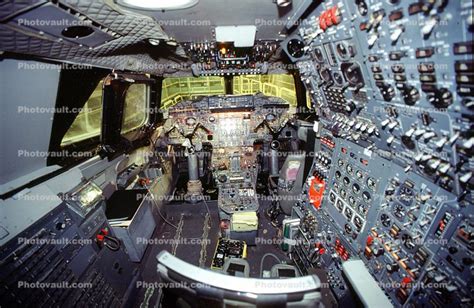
(125, 53)
(207, 14)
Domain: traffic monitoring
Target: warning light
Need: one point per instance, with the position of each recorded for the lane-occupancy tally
(316, 191)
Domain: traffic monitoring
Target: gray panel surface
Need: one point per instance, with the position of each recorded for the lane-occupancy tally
(27, 114)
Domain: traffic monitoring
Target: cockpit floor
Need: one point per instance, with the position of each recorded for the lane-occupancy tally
(196, 244)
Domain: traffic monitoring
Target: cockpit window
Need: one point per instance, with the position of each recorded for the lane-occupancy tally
(177, 89)
(88, 122)
(135, 113)
(280, 85)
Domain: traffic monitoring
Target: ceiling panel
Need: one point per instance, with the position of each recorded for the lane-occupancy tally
(196, 23)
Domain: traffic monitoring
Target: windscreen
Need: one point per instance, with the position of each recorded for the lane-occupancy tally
(177, 89)
(279, 85)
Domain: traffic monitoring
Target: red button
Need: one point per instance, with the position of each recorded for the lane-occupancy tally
(328, 18)
(322, 21)
(406, 281)
(335, 15)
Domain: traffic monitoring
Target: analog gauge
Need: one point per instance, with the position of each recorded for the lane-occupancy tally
(270, 117)
(343, 193)
(335, 186)
(339, 205)
(318, 54)
(338, 174)
(341, 50)
(344, 50)
(325, 73)
(190, 121)
(348, 229)
(340, 163)
(353, 73)
(352, 200)
(346, 181)
(362, 208)
(362, 7)
(349, 169)
(348, 213)
(366, 196)
(406, 194)
(358, 222)
(371, 183)
(356, 188)
(295, 48)
(399, 211)
(385, 219)
(332, 197)
(359, 174)
(338, 78)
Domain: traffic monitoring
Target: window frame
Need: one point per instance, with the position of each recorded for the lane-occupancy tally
(147, 109)
(113, 142)
(91, 136)
(72, 93)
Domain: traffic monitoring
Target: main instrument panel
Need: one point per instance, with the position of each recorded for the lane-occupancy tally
(235, 127)
(391, 82)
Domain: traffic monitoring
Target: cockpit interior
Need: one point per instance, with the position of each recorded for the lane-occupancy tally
(236, 153)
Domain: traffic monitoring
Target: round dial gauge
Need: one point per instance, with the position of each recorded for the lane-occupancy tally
(270, 117)
(190, 121)
(366, 196)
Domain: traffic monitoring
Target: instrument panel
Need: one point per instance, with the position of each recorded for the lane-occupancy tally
(235, 127)
(391, 82)
(225, 121)
(212, 58)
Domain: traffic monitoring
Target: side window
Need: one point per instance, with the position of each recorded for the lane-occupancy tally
(135, 112)
(89, 120)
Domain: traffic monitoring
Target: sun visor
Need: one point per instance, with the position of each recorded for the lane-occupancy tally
(242, 36)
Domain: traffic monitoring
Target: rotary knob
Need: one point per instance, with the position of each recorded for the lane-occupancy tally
(441, 98)
(410, 95)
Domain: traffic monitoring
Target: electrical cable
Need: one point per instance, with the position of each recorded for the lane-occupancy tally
(208, 211)
(116, 243)
(263, 259)
(161, 215)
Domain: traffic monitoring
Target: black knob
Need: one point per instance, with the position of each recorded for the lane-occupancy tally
(350, 106)
(410, 95)
(222, 178)
(452, 250)
(441, 98)
(393, 267)
(275, 145)
(408, 142)
(387, 91)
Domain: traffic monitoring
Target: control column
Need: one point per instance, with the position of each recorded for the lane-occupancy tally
(194, 184)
